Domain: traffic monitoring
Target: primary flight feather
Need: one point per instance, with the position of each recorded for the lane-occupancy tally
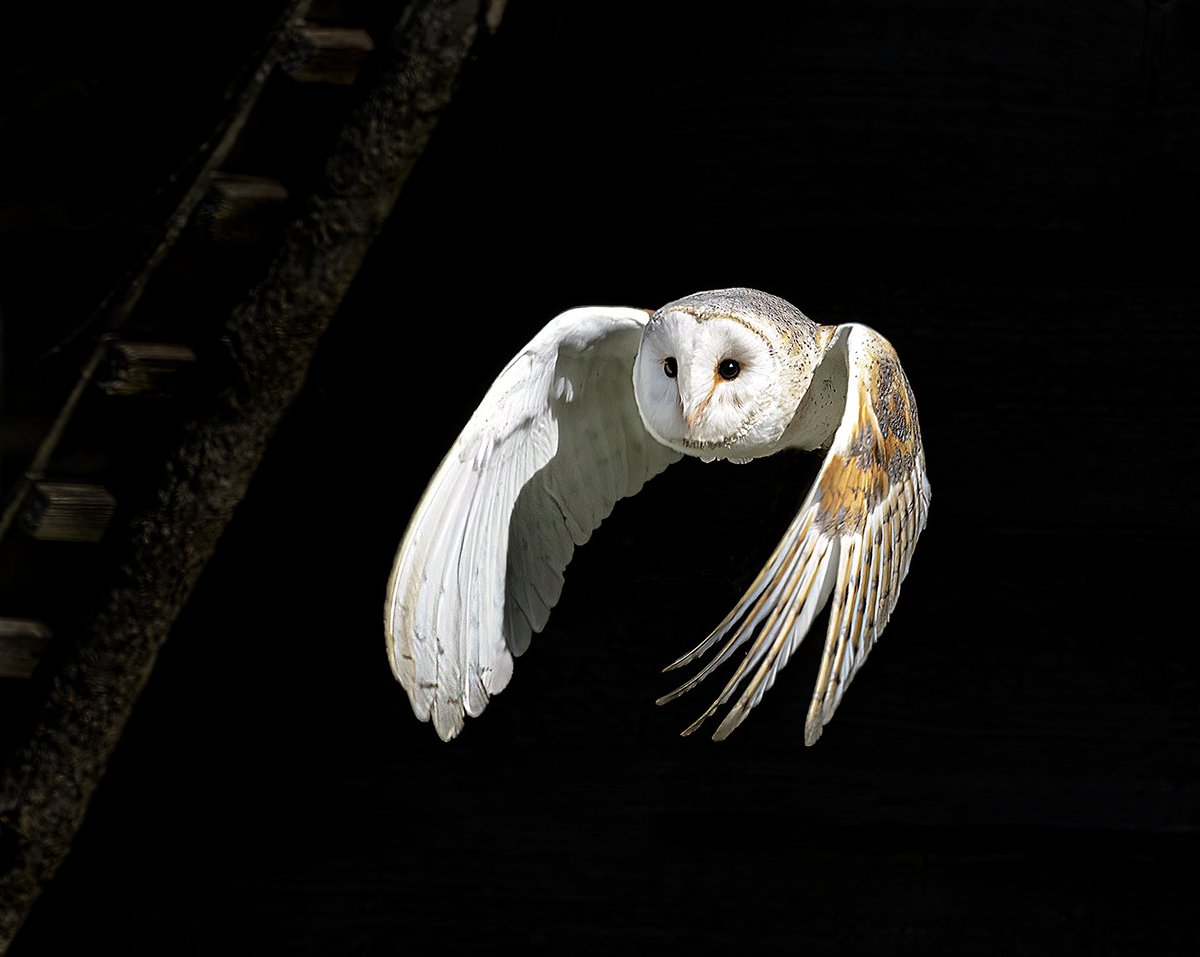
(605, 398)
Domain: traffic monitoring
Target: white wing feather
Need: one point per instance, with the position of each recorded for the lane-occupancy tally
(556, 441)
(852, 538)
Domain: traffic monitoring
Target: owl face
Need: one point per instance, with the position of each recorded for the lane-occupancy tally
(710, 385)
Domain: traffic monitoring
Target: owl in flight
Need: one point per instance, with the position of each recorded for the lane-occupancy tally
(605, 398)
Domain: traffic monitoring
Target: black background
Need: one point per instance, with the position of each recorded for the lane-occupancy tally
(1006, 190)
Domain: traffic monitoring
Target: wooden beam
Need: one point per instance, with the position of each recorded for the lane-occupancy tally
(272, 335)
(68, 512)
(115, 309)
(329, 55)
(150, 369)
(22, 641)
(241, 209)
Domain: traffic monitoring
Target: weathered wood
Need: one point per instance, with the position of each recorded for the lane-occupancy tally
(241, 209)
(272, 336)
(150, 369)
(22, 641)
(68, 512)
(116, 307)
(322, 54)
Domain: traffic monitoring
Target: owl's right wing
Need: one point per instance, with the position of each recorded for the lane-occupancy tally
(556, 441)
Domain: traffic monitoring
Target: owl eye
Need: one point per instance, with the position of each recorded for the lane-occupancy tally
(670, 367)
(729, 368)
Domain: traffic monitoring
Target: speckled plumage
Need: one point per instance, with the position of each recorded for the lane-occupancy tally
(605, 398)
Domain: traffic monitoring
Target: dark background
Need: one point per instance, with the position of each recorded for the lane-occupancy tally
(1008, 191)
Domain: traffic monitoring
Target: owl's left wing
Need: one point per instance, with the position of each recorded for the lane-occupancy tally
(853, 537)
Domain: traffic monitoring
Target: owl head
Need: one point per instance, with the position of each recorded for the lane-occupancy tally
(718, 374)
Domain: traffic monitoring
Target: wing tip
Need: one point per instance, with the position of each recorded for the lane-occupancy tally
(447, 724)
(732, 721)
(813, 727)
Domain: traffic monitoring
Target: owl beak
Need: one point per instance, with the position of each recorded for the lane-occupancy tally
(690, 418)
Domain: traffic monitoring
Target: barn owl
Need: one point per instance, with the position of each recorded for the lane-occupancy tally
(605, 398)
